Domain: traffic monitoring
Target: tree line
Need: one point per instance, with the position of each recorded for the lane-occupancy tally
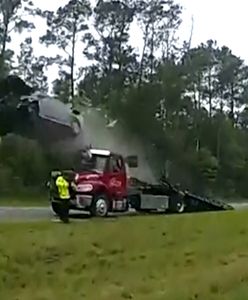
(187, 106)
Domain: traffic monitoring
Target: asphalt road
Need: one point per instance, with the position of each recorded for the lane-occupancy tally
(41, 213)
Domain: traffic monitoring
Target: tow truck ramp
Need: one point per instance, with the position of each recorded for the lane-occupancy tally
(196, 204)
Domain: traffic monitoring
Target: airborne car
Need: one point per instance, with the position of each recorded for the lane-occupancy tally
(30, 113)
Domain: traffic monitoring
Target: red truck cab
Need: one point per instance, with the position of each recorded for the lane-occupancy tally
(101, 180)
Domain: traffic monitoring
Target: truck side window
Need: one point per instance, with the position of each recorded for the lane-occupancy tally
(120, 163)
(115, 164)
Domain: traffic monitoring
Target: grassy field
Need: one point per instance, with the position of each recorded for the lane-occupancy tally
(200, 256)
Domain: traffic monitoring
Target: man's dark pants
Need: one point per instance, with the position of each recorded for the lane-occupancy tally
(62, 207)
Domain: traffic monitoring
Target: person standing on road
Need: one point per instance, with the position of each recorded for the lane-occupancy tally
(63, 187)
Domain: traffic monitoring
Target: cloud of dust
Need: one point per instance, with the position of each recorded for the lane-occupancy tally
(99, 136)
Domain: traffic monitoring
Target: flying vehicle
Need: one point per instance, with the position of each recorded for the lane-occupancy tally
(27, 112)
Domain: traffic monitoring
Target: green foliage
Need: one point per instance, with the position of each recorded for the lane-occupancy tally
(208, 166)
(25, 166)
(24, 158)
(61, 87)
(65, 27)
(12, 19)
(31, 68)
(6, 179)
(185, 105)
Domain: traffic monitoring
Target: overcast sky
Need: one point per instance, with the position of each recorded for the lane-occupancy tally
(223, 20)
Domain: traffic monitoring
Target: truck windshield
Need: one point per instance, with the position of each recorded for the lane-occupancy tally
(96, 163)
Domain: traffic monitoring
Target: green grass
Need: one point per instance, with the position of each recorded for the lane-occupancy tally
(200, 256)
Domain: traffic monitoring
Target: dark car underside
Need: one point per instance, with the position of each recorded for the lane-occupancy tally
(27, 112)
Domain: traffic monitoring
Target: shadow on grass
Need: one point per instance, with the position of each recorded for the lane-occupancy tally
(86, 216)
(116, 216)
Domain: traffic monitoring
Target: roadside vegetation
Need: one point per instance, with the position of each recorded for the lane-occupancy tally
(164, 257)
(187, 106)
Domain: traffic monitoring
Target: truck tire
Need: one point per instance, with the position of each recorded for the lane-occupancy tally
(180, 207)
(176, 204)
(100, 206)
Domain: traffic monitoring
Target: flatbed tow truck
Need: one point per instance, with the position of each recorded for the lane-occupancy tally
(103, 186)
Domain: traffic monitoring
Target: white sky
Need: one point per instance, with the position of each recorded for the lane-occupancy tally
(223, 20)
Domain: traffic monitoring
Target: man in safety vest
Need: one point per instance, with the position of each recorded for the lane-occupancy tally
(63, 189)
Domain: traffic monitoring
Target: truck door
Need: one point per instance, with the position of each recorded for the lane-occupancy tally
(117, 177)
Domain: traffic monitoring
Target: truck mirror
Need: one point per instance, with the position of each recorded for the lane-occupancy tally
(132, 161)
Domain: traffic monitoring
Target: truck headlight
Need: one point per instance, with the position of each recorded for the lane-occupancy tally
(85, 187)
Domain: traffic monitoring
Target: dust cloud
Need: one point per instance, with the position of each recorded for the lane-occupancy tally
(96, 133)
(99, 135)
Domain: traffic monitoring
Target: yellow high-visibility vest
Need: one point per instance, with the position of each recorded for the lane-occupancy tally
(63, 188)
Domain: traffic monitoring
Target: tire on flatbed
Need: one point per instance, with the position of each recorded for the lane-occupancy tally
(100, 206)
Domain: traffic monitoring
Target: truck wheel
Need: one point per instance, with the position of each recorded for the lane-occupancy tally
(180, 207)
(100, 206)
(176, 205)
